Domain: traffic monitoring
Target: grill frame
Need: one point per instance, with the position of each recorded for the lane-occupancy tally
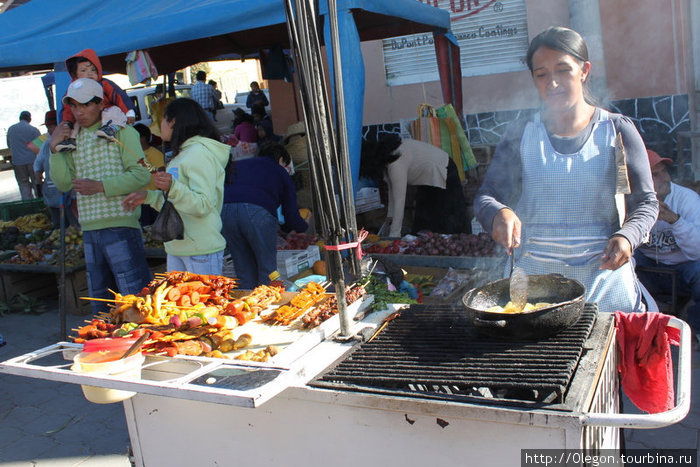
(584, 338)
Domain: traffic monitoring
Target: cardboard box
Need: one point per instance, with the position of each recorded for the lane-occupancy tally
(367, 199)
(291, 262)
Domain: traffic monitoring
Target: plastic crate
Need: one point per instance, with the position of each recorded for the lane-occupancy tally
(14, 209)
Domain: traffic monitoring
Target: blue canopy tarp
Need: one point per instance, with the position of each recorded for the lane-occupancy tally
(178, 33)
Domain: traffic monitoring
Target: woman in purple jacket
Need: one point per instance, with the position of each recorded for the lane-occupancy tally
(253, 190)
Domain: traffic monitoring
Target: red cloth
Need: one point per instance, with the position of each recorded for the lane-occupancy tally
(643, 342)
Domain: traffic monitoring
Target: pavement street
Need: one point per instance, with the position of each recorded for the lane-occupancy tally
(50, 424)
(9, 191)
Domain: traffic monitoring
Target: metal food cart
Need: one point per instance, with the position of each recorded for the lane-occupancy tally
(381, 401)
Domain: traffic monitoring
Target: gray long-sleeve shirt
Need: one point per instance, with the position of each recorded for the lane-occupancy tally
(502, 185)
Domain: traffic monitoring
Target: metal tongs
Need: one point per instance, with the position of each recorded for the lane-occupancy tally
(518, 284)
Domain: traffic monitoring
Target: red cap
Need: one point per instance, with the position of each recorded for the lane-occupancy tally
(50, 117)
(654, 159)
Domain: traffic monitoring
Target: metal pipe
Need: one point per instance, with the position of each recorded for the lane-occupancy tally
(329, 167)
(62, 274)
(343, 158)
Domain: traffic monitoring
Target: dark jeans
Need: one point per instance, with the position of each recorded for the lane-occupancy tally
(688, 283)
(442, 210)
(115, 259)
(251, 237)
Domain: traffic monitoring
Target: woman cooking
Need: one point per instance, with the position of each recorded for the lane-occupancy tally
(549, 194)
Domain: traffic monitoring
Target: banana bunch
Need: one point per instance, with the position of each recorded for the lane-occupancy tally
(31, 222)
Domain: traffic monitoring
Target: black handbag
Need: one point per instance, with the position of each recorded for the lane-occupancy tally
(168, 225)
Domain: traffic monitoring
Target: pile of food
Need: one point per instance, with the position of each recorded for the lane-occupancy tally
(196, 314)
(434, 244)
(297, 241)
(328, 308)
(29, 222)
(36, 242)
(148, 240)
(513, 308)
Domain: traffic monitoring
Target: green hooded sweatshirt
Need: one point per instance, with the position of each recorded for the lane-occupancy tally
(197, 192)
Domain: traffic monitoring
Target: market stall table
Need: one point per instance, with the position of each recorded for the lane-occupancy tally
(303, 411)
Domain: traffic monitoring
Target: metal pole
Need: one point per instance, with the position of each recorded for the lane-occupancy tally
(328, 169)
(343, 155)
(343, 163)
(62, 275)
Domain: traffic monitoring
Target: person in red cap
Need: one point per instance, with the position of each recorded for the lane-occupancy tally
(674, 241)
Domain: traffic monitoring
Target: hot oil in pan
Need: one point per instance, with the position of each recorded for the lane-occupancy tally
(236, 378)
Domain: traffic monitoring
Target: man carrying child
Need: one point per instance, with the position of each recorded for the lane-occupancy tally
(102, 173)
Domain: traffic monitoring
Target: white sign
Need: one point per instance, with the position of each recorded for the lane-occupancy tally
(492, 35)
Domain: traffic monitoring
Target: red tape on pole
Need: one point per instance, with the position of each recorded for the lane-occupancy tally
(361, 235)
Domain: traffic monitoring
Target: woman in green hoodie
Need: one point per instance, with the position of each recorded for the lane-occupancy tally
(194, 181)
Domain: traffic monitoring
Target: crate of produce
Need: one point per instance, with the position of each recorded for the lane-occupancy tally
(15, 209)
(292, 262)
(76, 287)
(31, 284)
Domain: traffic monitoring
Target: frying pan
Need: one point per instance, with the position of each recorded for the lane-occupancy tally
(565, 295)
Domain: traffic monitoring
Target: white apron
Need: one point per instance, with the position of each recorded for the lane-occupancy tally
(568, 214)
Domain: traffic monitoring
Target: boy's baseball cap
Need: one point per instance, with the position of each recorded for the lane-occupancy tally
(82, 90)
(654, 159)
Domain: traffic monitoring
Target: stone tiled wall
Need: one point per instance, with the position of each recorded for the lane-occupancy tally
(658, 119)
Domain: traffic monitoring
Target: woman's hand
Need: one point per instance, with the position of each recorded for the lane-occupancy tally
(506, 228)
(163, 180)
(132, 200)
(616, 253)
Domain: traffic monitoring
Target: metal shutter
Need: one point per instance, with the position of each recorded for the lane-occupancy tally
(492, 36)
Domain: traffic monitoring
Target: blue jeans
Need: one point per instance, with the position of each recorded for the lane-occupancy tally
(115, 259)
(688, 284)
(251, 237)
(212, 263)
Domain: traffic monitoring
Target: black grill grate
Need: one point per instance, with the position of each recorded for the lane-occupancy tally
(436, 353)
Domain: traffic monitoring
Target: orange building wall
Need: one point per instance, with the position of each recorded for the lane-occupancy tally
(643, 42)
